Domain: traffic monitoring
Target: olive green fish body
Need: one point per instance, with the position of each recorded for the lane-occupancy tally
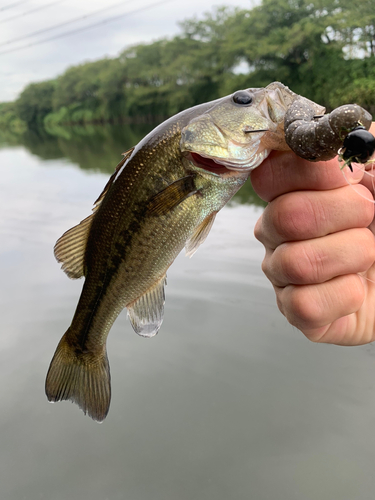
(164, 195)
(130, 245)
(131, 242)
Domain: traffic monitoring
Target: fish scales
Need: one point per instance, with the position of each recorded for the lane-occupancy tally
(138, 239)
(163, 196)
(135, 237)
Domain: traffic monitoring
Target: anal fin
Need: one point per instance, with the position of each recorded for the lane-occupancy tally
(199, 235)
(146, 313)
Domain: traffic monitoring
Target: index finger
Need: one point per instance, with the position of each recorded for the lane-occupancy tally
(283, 172)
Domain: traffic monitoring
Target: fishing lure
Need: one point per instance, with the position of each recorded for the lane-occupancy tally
(358, 147)
(344, 131)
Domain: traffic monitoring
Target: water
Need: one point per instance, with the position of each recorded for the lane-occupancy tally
(228, 401)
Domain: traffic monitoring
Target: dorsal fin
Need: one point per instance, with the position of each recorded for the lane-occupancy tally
(126, 155)
(199, 235)
(146, 313)
(70, 248)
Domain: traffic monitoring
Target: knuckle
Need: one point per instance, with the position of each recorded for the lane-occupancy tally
(265, 267)
(258, 229)
(295, 217)
(268, 268)
(302, 310)
(280, 301)
(316, 306)
(299, 263)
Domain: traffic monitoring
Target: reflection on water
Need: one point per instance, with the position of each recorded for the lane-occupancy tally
(94, 147)
(91, 147)
(226, 402)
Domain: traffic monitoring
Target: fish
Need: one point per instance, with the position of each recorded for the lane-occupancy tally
(163, 196)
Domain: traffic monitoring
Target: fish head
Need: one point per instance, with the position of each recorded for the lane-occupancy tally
(239, 131)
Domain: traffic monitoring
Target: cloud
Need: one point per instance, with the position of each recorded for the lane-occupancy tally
(47, 60)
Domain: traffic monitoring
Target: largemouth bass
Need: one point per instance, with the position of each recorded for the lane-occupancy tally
(163, 196)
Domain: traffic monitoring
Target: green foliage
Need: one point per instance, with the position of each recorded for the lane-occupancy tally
(9, 119)
(323, 49)
(35, 102)
(88, 85)
(284, 40)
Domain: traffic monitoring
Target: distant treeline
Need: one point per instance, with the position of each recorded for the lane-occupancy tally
(322, 49)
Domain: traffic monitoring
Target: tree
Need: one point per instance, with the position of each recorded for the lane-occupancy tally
(323, 49)
(35, 102)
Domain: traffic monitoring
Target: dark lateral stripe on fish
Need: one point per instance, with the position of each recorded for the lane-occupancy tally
(119, 253)
(161, 204)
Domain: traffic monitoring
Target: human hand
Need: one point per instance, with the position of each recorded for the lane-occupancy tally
(318, 233)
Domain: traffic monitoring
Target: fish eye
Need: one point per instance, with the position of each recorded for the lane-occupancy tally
(242, 98)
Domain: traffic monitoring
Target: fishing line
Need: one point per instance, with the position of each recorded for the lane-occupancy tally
(366, 172)
(372, 175)
(362, 167)
(365, 277)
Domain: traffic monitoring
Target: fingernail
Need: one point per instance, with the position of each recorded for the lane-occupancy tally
(356, 175)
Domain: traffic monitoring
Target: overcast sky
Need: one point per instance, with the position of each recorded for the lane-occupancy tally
(26, 60)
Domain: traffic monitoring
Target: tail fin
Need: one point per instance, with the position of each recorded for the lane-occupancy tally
(83, 378)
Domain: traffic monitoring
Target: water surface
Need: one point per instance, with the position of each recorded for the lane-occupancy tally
(228, 401)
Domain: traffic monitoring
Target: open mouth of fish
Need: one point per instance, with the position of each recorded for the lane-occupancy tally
(226, 165)
(208, 164)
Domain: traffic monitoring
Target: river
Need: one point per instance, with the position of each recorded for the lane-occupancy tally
(228, 401)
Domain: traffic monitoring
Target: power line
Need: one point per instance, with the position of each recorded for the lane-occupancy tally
(72, 32)
(11, 5)
(65, 23)
(42, 7)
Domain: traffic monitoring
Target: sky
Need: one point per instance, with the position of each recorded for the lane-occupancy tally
(25, 59)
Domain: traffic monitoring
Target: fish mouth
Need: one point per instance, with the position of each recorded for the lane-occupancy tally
(207, 164)
(227, 166)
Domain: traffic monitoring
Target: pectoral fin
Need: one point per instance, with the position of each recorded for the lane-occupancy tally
(199, 235)
(174, 194)
(146, 313)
